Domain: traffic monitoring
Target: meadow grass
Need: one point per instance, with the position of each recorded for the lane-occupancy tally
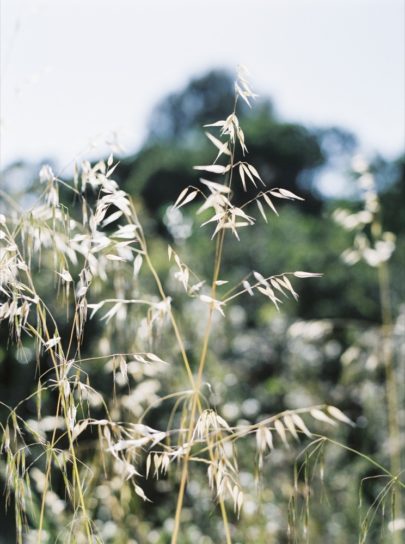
(61, 269)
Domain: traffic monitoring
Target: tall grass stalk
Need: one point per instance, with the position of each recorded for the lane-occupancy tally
(376, 249)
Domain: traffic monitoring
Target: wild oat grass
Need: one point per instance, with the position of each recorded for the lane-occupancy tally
(55, 264)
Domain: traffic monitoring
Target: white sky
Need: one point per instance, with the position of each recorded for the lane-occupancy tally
(75, 71)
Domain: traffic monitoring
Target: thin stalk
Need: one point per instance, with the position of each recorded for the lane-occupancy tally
(172, 319)
(390, 378)
(391, 387)
(47, 477)
(76, 473)
(42, 316)
(226, 522)
(202, 361)
(204, 351)
(186, 362)
(196, 399)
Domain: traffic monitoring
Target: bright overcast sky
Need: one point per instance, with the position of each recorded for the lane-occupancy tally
(75, 71)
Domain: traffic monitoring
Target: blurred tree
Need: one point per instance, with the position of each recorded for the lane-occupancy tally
(182, 113)
(391, 178)
(287, 154)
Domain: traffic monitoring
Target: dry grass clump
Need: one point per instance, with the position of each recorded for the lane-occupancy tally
(96, 261)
